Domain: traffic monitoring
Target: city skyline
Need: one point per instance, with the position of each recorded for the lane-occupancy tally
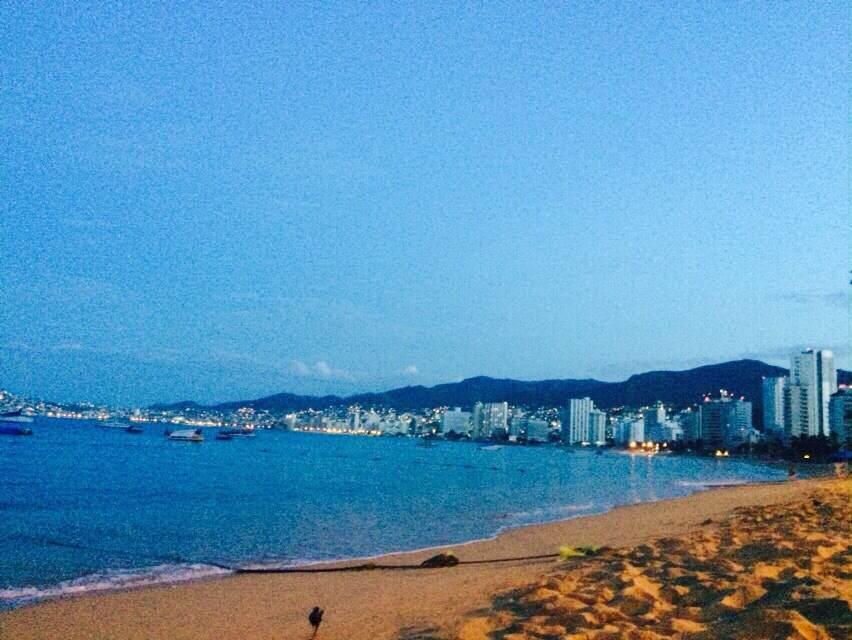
(360, 199)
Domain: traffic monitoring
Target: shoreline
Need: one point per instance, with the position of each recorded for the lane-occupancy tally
(207, 570)
(135, 610)
(700, 487)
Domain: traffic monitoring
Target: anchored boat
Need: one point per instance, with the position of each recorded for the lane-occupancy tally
(244, 432)
(13, 423)
(188, 435)
(16, 417)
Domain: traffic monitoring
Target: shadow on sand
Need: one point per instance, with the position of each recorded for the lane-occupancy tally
(779, 571)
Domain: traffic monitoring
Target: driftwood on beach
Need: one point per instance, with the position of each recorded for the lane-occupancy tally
(439, 561)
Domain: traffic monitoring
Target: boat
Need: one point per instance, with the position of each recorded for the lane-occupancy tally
(113, 423)
(224, 436)
(244, 432)
(135, 428)
(16, 417)
(188, 435)
(14, 430)
(491, 447)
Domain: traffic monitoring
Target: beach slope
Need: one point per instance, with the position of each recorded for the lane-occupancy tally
(779, 571)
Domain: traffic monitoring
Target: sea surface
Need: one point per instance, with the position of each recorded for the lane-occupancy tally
(85, 508)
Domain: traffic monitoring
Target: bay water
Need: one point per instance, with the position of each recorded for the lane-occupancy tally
(85, 508)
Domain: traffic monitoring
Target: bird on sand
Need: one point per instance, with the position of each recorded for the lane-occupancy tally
(315, 618)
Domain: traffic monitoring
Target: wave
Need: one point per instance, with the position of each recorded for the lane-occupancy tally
(112, 580)
(121, 579)
(708, 484)
(544, 514)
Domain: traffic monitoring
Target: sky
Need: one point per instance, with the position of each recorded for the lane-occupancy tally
(219, 202)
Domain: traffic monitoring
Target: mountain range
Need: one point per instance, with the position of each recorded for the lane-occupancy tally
(676, 388)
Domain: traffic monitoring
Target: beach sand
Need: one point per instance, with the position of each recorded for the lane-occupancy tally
(754, 561)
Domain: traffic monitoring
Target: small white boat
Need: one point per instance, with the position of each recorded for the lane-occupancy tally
(187, 435)
(491, 447)
(16, 417)
(113, 423)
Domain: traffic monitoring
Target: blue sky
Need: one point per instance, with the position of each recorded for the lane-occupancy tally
(221, 202)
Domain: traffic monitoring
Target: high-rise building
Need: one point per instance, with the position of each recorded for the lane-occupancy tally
(798, 411)
(371, 420)
(497, 415)
(517, 423)
(394, 426)
(774, 394)
(355, 419)
(840, 413)
(597, 427)
(490, 419)
(537, 430)
(654, 419)
(455, 420)
(629, 429)
(671, 431)
(713, 423)
(725, 422)
(476, 421)
(813, 378)
(575, 420)
(739, 427)
(690, 424)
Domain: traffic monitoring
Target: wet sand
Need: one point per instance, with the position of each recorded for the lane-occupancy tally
(673, 565)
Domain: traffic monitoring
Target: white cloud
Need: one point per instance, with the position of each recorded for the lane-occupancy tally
(320, 369)
(411, 370)
(323, 369)
(300, 368)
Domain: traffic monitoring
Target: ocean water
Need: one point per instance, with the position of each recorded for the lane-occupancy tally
(84, 508)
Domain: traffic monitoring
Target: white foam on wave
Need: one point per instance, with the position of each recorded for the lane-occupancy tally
(711, 483)
(548, 513)
(111, 580)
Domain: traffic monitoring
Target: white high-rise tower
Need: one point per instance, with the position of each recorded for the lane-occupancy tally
(773, 405)
(575, 421)
(813, 378)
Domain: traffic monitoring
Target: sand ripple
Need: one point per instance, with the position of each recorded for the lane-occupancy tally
(770, 572)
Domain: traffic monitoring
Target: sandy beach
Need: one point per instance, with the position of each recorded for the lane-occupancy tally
(684, 567)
